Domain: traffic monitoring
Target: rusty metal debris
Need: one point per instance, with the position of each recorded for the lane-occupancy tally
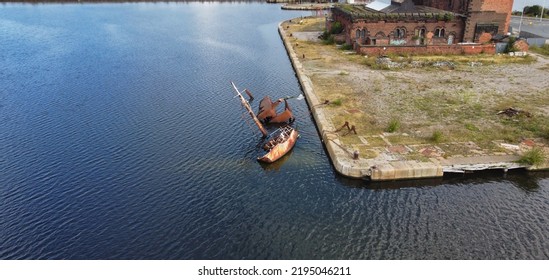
(350, 128)
(267, 111)
(512, 112)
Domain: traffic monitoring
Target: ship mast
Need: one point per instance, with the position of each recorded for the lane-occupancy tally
(249, 109)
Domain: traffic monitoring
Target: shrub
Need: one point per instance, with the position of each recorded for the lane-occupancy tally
(328, 39)
(533, 157)
(393, 126)
(346, 47)
(336, 102)
(437, 136)
(511, 45)
(336, 28)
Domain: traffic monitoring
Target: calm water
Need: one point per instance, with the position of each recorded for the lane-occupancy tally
(120, 139)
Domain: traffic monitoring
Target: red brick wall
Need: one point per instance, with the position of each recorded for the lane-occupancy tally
(488, 11)
(521, 45)
(429, 50)
(345, 20)
(478, 11)
(456, 6)
(387, 27)
(501, 7)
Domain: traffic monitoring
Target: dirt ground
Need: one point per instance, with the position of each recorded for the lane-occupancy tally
(417, 107)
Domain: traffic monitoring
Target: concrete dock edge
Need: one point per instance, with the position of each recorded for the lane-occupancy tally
(323, 124)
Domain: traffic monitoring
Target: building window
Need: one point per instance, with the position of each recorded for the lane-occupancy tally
(420, 32)
(440, 32)
(360, 33)
(400, 33)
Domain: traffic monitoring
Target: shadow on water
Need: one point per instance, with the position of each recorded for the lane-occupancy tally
(522, 179)
(275, 166)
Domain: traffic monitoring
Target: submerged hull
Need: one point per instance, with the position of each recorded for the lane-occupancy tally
(285, 143)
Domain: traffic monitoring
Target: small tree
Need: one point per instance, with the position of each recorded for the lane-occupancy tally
(511, 45)
(336, 28)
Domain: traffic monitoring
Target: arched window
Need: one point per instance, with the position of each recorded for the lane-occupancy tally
(420, 32)
(440, 32)
(400, 33)
(360, 33)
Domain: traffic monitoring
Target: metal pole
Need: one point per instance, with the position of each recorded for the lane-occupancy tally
(520, 23)
(542, 7)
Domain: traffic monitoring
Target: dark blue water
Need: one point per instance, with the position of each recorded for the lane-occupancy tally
(120, 139)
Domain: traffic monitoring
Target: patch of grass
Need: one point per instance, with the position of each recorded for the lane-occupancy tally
(471, 127)
(367, 153)
(336, 102)
(376, 141)
(393, 125)
(535, 126)
(328, 39)
(485, 59)
(346, 47)
(437, 136)
(404, 140)
(543, 50)
(417, 157)
(533, 157)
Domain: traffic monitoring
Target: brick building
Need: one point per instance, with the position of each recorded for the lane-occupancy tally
(428, 25)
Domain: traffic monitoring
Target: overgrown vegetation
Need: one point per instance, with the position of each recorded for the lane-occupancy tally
(544, 50)
(336, 102)
(346, 47)
(533, 157)
(327, 36)
(511, 45)
(437, 136)
(336, 28)
(393, 125)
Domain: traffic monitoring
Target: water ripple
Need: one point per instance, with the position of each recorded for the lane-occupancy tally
(125, 142)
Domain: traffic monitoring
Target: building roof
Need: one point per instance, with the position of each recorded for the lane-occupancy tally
(402, 8)
(378, 5)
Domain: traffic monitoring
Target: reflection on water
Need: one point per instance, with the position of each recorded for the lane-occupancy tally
(120, 139)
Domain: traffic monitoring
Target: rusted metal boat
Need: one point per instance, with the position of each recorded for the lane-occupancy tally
(267, 111)
(279, 142)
